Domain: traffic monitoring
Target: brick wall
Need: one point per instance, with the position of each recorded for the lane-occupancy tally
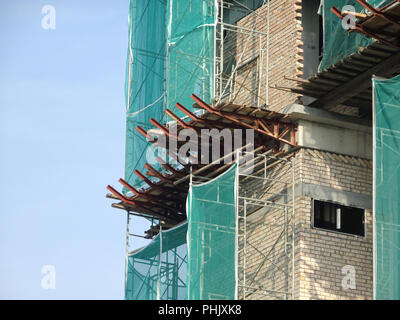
(320, 255)
(285, 50)
(285, 55)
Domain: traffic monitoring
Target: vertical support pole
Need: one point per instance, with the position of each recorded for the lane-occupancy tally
(202, 245)
(374, 242)
(286, 234)
(221, 61)
(286, 229)
(232, 85)
(259, 70)
(216, 12)
(175, 275)
(128, 102)
(188, 239)
(381, 238)
(293, 225)
(167, 272)
(267, 57)
(265, 167)
(244, 247)
(159, 265)
(237, 225)
(127, 233)
(127, 249)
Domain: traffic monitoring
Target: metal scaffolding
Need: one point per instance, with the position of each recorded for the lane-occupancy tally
(266, 225)
(264, 260)
(241, 53)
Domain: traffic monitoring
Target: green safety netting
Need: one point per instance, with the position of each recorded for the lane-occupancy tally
(190, 68)
(170, 56)
(338, 42)
(158, 271)
(212, 239)
(196, 260)
(387, 188)
(145, 79)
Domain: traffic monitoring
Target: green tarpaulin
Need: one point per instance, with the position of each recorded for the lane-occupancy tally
(196, 260)
(170, 56)
(212, 239)
(158, 271)
(387, 188)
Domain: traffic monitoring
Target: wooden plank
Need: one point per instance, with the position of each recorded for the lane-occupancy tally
(359, 83)
(381, 54)
(335, 77)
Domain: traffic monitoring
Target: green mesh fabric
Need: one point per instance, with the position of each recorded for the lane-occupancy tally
(191, 27)
(338, 43)
(145, 79)
(196, 260)
(170, 56)
(212, 239)
(151, 276)
(387, 188)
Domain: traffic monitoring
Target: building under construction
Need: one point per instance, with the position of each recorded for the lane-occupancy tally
(303, 99)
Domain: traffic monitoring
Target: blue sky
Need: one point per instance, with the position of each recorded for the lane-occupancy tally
(62, 137)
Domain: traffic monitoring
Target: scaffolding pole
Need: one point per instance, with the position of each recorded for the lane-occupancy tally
(278, 256)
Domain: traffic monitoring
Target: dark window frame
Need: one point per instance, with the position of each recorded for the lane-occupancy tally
(339, 205)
